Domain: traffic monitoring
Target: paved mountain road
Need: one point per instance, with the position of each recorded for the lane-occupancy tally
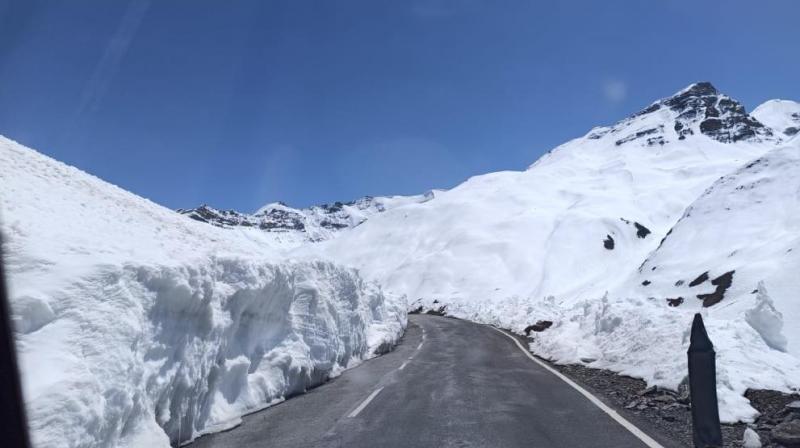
(450, 383)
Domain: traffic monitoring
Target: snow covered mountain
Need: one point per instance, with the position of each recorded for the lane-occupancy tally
(316, 223)
(603, 250)
(138, 327)
(565, 226)
(574, 240)
(781, 115)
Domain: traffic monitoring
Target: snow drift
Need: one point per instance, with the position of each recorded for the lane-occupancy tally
(140, 327)
(576, 240)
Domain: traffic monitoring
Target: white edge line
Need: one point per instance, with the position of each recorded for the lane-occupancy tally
(403, 366)
(420, 345)
(611, 412)
(364, 403)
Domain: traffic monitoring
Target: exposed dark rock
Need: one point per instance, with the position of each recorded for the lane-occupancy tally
(639, 135)
(669, 232)
(711, 125)
(417, 310)
(646, 282)
(771, 403)
(679, 283)
(649, 109)
(384, 348)
(719, 116)
(641, 231)
(281, 218)
(675, 302)
(669, 411)
(700, 279)
(333, 225)
(538, 327)
(787, 433)
(441, 311)
(665, 410)
(723, 282)
(598, 133)
(791, 131)
(608, 243)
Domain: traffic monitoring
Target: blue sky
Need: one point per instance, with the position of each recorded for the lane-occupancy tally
(240, 103)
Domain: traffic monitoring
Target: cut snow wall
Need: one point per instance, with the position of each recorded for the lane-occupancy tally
(152, 355)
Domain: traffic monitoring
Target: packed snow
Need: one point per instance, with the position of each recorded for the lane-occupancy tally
(781, 115)
(137, 326)
(575, 240)
(751, 439)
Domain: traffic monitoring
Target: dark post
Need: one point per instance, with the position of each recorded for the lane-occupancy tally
(706, 431)
(14, 430)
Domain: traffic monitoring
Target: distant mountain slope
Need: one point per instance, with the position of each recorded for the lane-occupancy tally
(562, 241)
(315, 223)
(612, 241)
(569, 224)
(746, 225)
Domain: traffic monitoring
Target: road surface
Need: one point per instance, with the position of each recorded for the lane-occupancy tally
(450, 383)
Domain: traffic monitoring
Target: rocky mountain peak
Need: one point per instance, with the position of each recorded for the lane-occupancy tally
(698, 109)
(318, 222)
(702, 107)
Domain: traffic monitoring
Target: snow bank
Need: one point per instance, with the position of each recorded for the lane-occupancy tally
(140, 327)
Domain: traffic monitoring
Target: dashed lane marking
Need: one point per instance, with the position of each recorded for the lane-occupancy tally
(364, 403)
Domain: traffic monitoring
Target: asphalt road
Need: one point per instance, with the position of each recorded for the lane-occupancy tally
(450, 383)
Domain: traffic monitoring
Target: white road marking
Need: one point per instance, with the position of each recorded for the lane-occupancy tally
(364, 403)
(647, 440)
(403, 366)
(420, 345)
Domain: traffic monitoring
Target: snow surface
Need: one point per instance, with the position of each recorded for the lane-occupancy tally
(781, 115)
(139, 327)
(751, 439)
(513, 248)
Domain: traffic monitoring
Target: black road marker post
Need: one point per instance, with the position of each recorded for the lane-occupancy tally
(14, 430)
(706, 431)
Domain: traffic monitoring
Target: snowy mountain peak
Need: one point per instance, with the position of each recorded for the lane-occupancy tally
(702, 88)
(697, 110)
(701, 107)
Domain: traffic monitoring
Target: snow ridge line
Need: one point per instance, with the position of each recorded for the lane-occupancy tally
(633, 429)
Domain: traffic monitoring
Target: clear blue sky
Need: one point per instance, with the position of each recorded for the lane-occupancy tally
(239, 103)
